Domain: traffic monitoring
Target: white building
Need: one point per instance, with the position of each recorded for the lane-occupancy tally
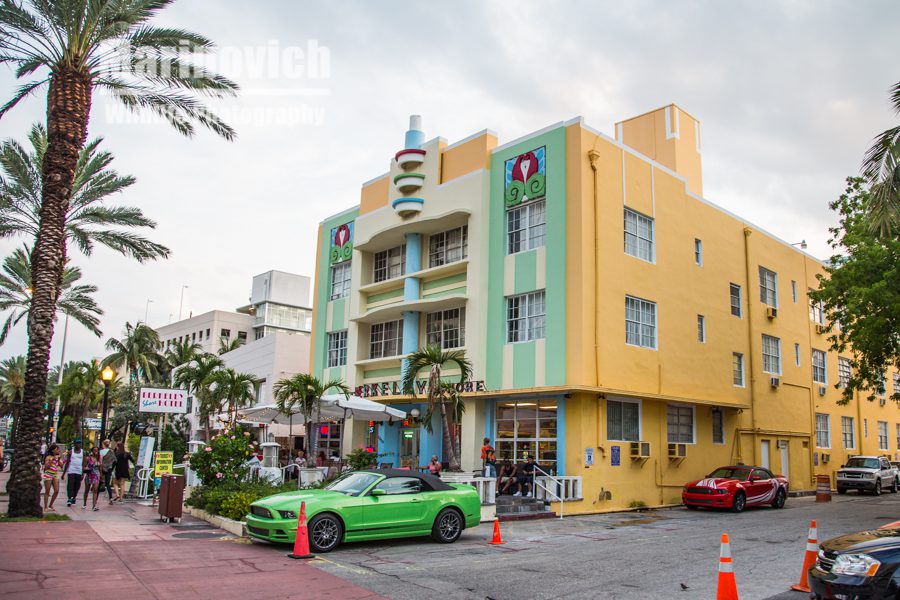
(279, 301)
(207, 329)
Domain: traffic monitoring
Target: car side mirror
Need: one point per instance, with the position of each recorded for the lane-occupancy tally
(377, 492)
(843, 466)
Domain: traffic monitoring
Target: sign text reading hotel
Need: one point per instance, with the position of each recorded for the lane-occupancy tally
(392, 388)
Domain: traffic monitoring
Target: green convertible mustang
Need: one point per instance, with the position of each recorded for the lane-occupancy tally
(369, 505)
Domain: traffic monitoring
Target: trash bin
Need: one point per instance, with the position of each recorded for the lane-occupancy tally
(823, 488)
(171, 497)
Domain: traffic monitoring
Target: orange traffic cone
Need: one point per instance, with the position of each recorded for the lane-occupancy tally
(301, 540)
(809, 559)
(727, 585)
(497, 539)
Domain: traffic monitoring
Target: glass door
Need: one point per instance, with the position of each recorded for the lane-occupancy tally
(409, 447)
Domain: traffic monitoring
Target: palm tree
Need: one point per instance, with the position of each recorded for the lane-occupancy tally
(198, 377)
(75, 47)
(176, 355)
(881, 167)
(12, 388)
(88, 222)
(15, 295)
(81, 390)
(228, 344)
(302, 394)
(136, 352)
(234, 390)
(440, 395)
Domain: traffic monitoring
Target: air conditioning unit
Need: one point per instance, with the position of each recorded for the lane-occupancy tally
(882, 401)
(820, 329)
(774, 381)
(677, 451)
(640, 450)
(771, 312)
(826, 457)
(821, 390)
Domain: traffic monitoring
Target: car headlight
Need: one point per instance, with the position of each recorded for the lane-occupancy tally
(721, 491)
(855, 564)
(869, 475)
(287, 514)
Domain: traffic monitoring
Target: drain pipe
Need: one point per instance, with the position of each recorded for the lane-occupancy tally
(592, 274)
(750, 372)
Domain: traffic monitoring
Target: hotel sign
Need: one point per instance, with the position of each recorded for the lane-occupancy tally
(157, 400)
(392, 388)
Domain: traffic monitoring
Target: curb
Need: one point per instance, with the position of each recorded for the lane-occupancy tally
(229, 525)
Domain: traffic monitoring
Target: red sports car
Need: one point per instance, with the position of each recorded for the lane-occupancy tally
(736, 488)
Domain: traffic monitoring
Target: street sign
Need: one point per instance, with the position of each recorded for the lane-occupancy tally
(616, 455)
(90, 423)
(159, 400)
(164, 461)
(589, 457)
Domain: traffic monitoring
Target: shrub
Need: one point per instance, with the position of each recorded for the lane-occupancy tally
(637, 504)
(360, 459)
(133, 445)
(229, 498)
(224, 458)
(236, 505)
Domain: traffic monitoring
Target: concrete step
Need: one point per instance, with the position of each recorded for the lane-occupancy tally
(527, 516)
(513, 500)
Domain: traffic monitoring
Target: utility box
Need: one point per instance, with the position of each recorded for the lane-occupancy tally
(171, 497)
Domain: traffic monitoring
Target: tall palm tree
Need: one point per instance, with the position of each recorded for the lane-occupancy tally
(88, 221)
(234, 390)
(440, 396)
(12, 388)
(75, 47)
(15, 295)
(81, 390)
(302, 394)
(199, 377)
(136, 352)
(176, 355)
(881, 167)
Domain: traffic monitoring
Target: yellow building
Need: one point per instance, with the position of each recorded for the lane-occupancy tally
(624, 330)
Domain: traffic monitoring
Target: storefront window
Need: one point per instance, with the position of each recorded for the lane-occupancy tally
(372, 437)
(329, 439)
(527, 428)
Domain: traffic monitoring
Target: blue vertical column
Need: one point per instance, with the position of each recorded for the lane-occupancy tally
(411, 293)
(415, 137)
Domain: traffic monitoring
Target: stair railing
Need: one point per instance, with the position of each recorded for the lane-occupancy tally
(558, 482)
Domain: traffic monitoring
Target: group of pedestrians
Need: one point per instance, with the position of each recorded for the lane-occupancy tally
(513, 478)
(100, 468)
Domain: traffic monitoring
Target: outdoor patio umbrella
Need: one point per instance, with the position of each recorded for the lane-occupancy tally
(334, 406)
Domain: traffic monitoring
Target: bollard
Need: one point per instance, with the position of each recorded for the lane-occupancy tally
(823, 488)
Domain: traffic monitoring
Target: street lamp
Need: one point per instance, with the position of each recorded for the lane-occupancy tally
(107, 375)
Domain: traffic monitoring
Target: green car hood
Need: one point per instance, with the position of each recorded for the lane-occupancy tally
(292, 500)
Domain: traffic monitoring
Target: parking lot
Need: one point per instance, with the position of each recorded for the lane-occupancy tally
(655, 554)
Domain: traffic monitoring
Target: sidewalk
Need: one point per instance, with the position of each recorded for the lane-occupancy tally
(126, 551)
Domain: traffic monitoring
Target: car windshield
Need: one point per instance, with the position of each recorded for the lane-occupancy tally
(353, 484)
(863, 463)
(730, 473)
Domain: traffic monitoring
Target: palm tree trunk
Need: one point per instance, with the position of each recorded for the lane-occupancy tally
(68, 110)
(448, 443)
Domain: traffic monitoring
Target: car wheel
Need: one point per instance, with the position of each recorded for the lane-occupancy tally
(448, 526)
(740, 501)
(325, 532)
(894, 486)
(842, 491)
(877, 490)
(780, 497)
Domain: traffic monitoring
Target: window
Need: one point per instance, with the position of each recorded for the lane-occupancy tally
(640, 322)
(207, 334)
(882, 435)
(329, 441)
(525, 227)
(737, 369)
(623, 421)
(823, 430)
(898, 435)
(718, 426)
(446, 329)
(525, 317)
(340, 280)
(735, 291)
(768, 287)
(194, 337)
(242, 336)
(882, 385)
(390, 264)
(386, 339)
(794, 291)
(797, 354)
(698, 252)
(225, 333)
(848, 432)
(771, 351)
(639, 236)
(527, 428)
(865, 428)
(819, 368)
(897, 384)
(448, 246)
(701, 328)
(680, 424)
(844, 372)
(337, 348)
(394, 486)
(816, 310)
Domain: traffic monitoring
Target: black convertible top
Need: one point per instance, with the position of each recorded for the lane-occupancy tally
(430, 480)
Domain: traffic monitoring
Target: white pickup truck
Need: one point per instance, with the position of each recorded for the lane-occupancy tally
(870, 473)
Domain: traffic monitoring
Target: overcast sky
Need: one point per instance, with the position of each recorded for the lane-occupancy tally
(789, 95)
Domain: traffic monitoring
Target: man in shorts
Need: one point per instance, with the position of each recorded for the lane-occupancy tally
(488, 459)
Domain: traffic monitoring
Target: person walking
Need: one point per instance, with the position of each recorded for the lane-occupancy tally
(122, 458)
(74, 471)
(53, 464)
(92, 477)
(107, 460)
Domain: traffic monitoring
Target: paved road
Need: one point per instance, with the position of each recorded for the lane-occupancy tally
(622, 556)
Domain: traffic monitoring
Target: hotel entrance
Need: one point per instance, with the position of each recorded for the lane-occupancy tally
(409, 447)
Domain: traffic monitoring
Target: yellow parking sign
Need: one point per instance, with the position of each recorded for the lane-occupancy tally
(164, 461)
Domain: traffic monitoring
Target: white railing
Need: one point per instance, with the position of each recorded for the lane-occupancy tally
(567, 487)
(486, 486)
(145, 474)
